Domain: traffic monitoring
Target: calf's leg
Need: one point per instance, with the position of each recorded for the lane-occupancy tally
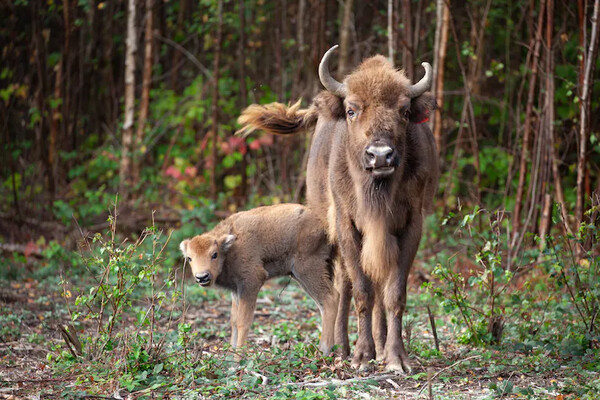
(344, 288)
(245, 314)
(313, 275)
(235, 302)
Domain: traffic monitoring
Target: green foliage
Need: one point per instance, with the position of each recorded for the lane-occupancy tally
(481, 294)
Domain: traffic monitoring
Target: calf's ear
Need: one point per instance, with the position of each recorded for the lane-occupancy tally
(183, 247)
(421, 108)
(226, 242)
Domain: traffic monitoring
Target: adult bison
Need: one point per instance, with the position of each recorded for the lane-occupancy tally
(372, 173)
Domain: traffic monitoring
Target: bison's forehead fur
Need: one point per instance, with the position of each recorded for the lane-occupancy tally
(200, 244)
(376, 81)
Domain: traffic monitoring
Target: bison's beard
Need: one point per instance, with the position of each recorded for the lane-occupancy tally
(377, 193)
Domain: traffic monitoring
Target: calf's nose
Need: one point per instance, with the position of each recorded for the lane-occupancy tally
(203, 278)
(378, 156)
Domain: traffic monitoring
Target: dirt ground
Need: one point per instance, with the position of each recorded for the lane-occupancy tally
(31, 315)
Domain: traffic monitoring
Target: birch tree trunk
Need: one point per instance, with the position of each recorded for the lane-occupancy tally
(439, 59)
(127, 141)
(138, 150)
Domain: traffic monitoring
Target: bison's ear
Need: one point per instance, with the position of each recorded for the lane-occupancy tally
(330, 105)
(421, 107)
(226, 242)
(183, 247)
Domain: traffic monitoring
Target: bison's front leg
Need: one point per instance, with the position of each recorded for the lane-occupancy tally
(395, 295)
(362, 289)
(379, 326)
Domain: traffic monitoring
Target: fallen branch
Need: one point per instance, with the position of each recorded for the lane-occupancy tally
(21, 249)
(341, 382)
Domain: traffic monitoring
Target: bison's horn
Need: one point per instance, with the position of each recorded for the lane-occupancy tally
(423, 85)
(335, 87)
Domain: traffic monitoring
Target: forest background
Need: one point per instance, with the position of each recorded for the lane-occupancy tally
(128, 109)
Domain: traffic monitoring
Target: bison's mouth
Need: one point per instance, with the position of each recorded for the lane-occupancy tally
(381, 172)
(203, 279)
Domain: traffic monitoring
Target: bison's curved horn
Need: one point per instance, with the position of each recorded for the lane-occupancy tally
(424, 84)
(335, 87)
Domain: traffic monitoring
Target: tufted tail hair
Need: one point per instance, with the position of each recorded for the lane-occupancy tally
(276, 119)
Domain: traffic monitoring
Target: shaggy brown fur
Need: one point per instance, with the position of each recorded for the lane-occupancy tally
(374, 219)
(249, 247)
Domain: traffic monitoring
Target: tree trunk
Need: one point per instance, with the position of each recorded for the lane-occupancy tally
(66, 59)
(40, 97)
(584, 119)
(344, 60)
(549, 107)
(243, 93)
(215, 102)
(127, 141)
(177, 54)
(55, 124)
(527, 128)
(390, 30)
(439, 59)
(407, 52)
(138, 150)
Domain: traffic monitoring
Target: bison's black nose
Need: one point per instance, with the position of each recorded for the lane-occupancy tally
(378, 156)
(203, 278)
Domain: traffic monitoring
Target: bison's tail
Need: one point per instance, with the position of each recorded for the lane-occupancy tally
(277, 119)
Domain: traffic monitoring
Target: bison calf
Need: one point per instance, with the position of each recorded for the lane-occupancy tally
(249, 247)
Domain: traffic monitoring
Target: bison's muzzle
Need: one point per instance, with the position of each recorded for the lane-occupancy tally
(380, 159)
(203, 278)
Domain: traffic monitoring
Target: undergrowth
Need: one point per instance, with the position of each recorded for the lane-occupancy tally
(136, 324)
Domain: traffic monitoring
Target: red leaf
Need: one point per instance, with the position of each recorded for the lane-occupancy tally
(30, 248)
(255, 145)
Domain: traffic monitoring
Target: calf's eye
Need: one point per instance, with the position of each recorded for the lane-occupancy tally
(351, 113)
(188, 259)
(214, 255)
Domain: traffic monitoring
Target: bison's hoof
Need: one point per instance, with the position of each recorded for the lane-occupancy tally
(396, 364)
(381, 355)
(325, 349)
(342, 351)
(361, 358)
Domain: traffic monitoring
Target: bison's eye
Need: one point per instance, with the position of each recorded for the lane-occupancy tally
(188, 259)
(351, 113)
(406, 113)
(213, 255)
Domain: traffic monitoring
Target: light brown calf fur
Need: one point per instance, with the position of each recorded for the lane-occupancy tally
(249, 247)
(372, 173)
